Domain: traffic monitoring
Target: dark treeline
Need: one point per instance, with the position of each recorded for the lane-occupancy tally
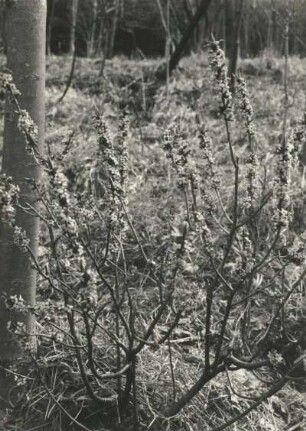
(145, 27)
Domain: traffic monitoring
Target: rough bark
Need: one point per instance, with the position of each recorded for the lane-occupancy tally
(26, 60)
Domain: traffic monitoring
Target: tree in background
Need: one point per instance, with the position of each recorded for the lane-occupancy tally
(110, 26)
(50, 15)
(88, 22)
(26, 61)
(181, 46)
(234, 47)
(2, 20)
(74, 17)
(113, 27)
(92, 38)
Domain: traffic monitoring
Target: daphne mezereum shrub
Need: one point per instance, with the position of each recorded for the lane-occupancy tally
(106, 299)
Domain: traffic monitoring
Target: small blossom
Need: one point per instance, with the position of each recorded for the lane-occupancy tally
(276, 358)
(71, 226)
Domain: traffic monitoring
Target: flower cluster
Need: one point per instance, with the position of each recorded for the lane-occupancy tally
(20, 238)
(177, 151)
(111, 167)
(8, 197)
(122, 150)
(298, 140)
(245, 107)
(252, 180)
(218, 66)
(276, 358)
(297, 249)
(59, 185)
(28, 128)
(283, 179)
(248, 259)
(73, 256)
(16, 303)
(6, 83)
(206, 147)
(207, 238)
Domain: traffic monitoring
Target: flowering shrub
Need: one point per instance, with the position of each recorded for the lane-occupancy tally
(110, 296)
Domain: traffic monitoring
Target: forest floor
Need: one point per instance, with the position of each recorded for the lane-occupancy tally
(187, 99)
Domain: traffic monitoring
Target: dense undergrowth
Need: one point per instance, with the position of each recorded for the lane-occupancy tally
(153, 221)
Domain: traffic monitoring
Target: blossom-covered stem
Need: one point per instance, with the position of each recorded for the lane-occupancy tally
(218, 66)
(247, 111)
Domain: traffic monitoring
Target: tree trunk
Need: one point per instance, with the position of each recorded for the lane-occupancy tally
(49, 26)
(26, 60)
(113, 29)
(224, 35)
(229, 23)
(178, 52)
(235, 45)
(74, 16)
(274, 35)
(2, 23)
(246, 26)
(103, 21)
(91, 44)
